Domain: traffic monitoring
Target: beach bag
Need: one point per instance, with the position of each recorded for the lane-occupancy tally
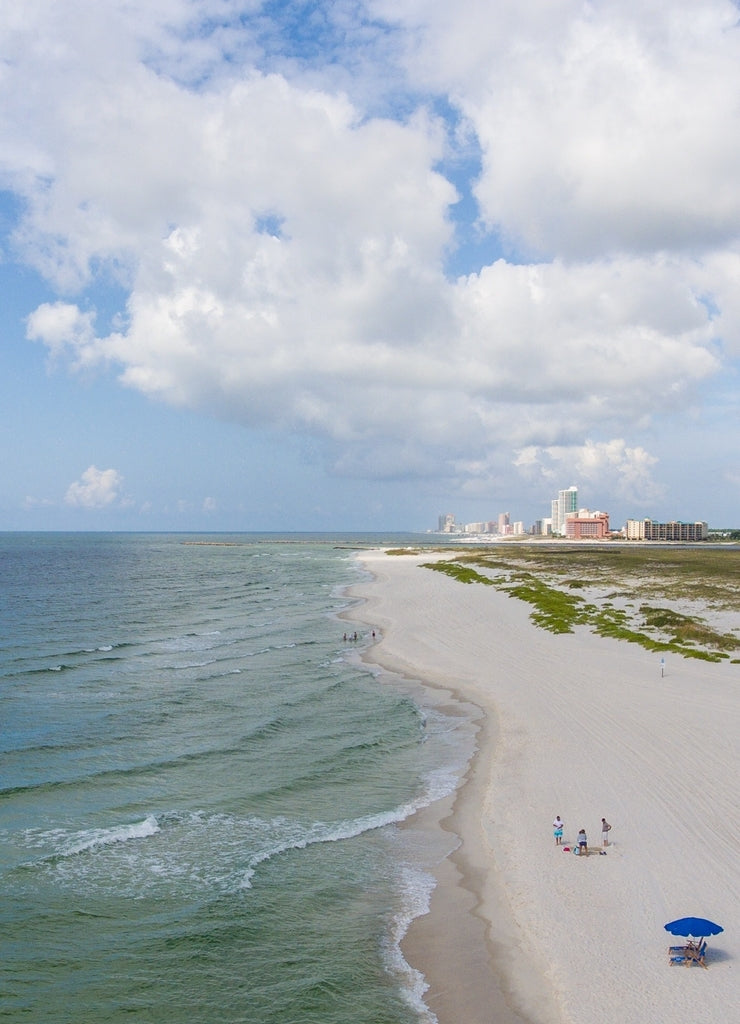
(576, 851)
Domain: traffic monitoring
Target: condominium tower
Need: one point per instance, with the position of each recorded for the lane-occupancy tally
(564, 505)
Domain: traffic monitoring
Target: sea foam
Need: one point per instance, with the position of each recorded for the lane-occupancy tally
(89, 839)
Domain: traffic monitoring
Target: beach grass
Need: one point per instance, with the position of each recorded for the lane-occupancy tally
(682, 600)
(463, 573)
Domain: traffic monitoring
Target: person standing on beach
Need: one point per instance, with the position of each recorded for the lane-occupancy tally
(582, 843)
(605, 829)
(557, 830)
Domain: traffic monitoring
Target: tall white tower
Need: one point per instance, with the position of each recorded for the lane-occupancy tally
(567, 503)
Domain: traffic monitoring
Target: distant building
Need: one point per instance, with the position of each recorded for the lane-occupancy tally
(586, 525)
(564, 505)
(446, 523)
(475, 528)
(646, 529)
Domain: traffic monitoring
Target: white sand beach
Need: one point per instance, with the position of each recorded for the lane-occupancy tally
(584, 727)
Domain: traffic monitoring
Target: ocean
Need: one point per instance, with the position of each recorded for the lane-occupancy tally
(203, 787)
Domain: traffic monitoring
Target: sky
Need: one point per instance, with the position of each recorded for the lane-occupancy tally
(350, 265)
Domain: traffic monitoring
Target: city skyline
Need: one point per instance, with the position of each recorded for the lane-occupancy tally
(325, 266)
(585, 522)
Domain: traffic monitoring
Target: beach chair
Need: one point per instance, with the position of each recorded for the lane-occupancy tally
(686, 945)
(688, 954)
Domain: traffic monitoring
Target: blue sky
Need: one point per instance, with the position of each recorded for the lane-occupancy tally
(346, 266)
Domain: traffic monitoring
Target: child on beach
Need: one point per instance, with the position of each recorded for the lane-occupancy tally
(582, 843)
(557, 830)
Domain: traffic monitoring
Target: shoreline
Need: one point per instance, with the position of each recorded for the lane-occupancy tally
(515, 930)
(468, 906)
(468, 897)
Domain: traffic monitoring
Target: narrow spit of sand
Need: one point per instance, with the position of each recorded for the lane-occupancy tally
(584, 727)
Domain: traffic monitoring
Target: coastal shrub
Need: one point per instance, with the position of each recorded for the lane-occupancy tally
(686, 630)
(463, 573)
(687, 652)
(545, 577)
(554, 610)
(618, 632)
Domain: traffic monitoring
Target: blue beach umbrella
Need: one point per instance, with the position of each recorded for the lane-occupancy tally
(693, 927)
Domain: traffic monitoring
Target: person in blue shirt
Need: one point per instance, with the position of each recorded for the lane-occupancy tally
(557, 830)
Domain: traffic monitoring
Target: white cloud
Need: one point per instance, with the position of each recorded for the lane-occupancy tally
(66, 331)
(603, 127)
(526, 355)
(609, 468)
(96, 489)
(284, 250)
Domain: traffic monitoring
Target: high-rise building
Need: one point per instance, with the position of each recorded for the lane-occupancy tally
(565, 504)
(446, 523)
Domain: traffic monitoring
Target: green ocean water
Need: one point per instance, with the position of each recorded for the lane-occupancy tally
(201, 786)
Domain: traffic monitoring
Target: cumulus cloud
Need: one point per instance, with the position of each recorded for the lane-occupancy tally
(611, 465)
(66, 331)
(96, 489)
(604, 127)
(283, 245)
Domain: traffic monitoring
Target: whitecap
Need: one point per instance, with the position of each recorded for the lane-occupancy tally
(440, 783)
(89, 839)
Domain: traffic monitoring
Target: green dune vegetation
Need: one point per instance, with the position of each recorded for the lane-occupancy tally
(682, 600)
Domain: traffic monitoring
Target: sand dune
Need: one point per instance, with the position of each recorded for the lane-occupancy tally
(584, 727)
